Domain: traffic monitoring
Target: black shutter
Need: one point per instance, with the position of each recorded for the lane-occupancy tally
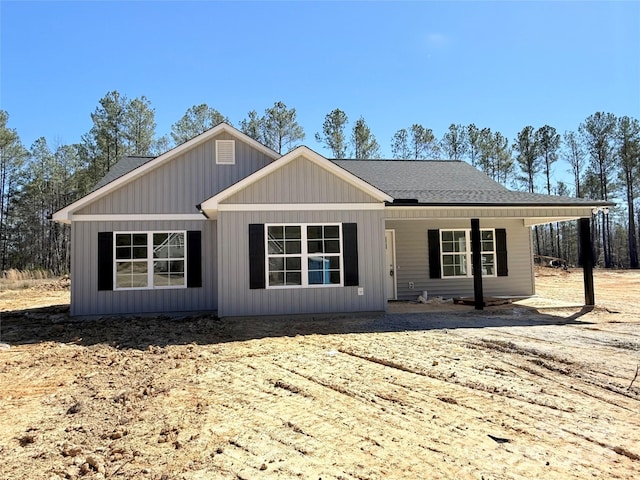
(350, 254)
(194, 258)
(105, 260)
(501, 252)
(434, 254)
(257, 274)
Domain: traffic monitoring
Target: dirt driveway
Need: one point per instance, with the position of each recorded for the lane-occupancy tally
(503, 393)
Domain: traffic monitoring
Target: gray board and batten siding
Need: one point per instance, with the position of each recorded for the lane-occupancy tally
(183, 182)
(300, 181)
(237, 299)
(86, 299)
(412, 260)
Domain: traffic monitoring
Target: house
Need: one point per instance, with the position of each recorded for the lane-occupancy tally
(223, 223)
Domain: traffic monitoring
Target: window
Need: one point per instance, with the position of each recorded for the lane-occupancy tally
(149, 260)
(303, 255)
(456, 253)
(225, 152)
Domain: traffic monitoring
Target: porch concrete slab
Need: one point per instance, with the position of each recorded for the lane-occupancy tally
(542, 303)
(537, 303)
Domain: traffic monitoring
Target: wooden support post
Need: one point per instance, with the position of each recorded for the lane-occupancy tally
(476, 254)
(586, 250)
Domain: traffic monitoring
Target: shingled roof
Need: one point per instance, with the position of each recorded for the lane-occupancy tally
(122, 167)
(418, 182)
(446, 182)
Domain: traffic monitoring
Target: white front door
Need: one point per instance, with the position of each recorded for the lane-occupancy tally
(390, 257)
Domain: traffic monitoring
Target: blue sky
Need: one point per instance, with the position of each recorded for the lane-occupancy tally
(502, 65)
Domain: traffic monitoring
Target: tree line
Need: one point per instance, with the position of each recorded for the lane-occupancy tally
(603, 154)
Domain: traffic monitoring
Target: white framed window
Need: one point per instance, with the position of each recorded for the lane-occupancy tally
(455, 251)
(147, 260)
(225, 152)
(304, 255)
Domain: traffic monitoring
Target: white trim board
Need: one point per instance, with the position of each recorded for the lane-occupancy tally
(288, 207)
(136, 217)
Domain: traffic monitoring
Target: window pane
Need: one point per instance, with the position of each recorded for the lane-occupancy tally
(454, 265)
(176, 251)
(314, 246)
(139, 267)
(160, 267)
(123, 281)
(315, 277)
(138, 281)
(334, 278)
(160, 239)
(294, 263)
(488, 264)
(292, 232)
(459, 235)
(486, 234)
(176, 266)
(161, 280)
(447, 236)
(123, 267)
(487, 246)
(176, 279)
(123, 239)
(276, 278)
(123, 253)
(316, 263)
(140, 239)
(276, 233)
(292, 247)
(139, 252)
(276, 247)
(314, 232)
(176, 239)
(331, 231)
(294, 278)
(276, 263)
(332, 246)
(334, 263)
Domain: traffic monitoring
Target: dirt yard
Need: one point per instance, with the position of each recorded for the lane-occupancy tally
(505, 393)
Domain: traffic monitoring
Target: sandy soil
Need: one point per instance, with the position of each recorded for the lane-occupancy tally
(508, 392)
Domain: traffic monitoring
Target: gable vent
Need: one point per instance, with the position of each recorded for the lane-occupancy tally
(225, 152)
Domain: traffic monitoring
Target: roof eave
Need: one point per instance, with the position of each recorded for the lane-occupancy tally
(502, 204)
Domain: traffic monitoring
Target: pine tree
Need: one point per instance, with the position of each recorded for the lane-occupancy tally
(196, 120)
(364, 143)
(279, 128)
(333, 133)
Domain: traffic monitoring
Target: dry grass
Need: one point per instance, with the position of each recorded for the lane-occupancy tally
(14, 279)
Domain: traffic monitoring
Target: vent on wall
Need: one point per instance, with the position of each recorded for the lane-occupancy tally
(225, 152)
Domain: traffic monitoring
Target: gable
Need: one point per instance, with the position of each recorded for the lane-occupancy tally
(311, 182)
(300, 181)
(175, 182)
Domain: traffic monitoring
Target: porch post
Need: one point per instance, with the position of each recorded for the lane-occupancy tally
(476, 252)
(584, 230)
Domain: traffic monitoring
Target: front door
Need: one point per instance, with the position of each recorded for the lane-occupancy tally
(390, 256)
